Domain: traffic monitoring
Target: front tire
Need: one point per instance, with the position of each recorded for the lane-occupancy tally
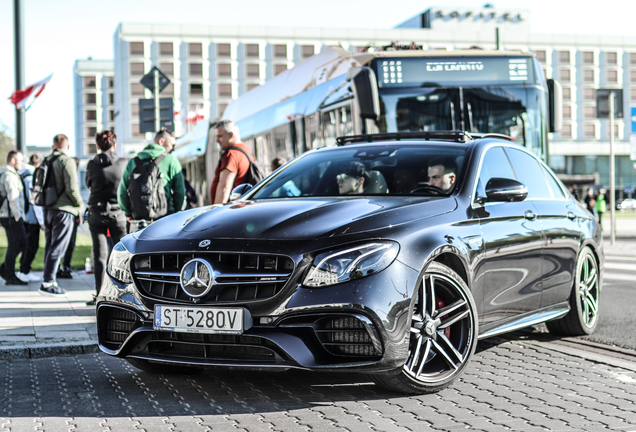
(442, 337)
(583, 316)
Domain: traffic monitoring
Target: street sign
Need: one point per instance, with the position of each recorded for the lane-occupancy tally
(602, 103)
(147, 114)
(149, 80)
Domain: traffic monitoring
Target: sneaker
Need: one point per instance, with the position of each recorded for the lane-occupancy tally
(30, 277)
(15, 281)
(92, 302)
(63, 274)
(49, 289)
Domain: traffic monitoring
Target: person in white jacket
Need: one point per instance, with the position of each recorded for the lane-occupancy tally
(12, 211)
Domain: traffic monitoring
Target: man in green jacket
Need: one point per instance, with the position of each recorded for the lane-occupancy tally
(170, 169)
(60, 216)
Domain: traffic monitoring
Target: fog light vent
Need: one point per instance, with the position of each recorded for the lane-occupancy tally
(115, 324)
(345, 336)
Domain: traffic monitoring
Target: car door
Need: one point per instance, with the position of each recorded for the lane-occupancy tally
(562, 235)
(513, 241)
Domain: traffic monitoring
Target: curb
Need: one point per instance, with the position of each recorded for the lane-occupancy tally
(44, 350)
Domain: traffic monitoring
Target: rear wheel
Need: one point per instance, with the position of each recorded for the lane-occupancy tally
(442, 336)
(161, 368)
(583, 316)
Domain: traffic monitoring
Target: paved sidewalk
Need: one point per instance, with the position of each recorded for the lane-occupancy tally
(33, 325)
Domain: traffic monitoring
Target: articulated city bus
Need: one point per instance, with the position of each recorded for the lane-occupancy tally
(337, 93)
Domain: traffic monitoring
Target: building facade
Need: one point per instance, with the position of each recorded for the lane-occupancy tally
(211, 65)
(94, 99)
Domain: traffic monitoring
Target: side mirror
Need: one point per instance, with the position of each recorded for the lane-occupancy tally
(239, 191)
(555, 100)
(365, 91)
(506, 190)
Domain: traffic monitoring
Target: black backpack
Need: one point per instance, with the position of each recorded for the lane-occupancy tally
(255, 172)
(145, 190)
(43, 191)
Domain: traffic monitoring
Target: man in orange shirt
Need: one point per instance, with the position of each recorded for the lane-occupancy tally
(233, 166)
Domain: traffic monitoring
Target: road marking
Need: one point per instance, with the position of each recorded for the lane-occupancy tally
(620, 266)
(619, 277)
(620, 258)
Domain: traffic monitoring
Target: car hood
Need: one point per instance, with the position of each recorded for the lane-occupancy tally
(296, 219)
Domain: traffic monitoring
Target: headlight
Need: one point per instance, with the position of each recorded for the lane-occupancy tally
(334, 267)
(119, 263)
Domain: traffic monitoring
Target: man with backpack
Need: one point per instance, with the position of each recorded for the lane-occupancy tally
(56, 188)
(152, 184)
(236, 166)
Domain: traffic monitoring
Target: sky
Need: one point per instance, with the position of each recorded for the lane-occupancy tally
(59, 32)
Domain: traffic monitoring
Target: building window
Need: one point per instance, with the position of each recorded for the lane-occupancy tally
(225, 70)
(251, 86)
(167, 68)
(564, 57)
(90, 149)
(166, 49)
(616, 131)
(589, 112)
(567, 112)
(134, 131)
(223, 50)
(91, 115)
(251, 50)
(540, 54)
(279, 68)
(307, 51)
(567, 94)
(90, 132)
(632, 76)
(611, 58)
(195, 49)
(137, 89)
(136, 48)
(196, 89)
(225, 90)
(564, 75)
(253, 70)
(588, 57)
(136, 68)
(632, 95)
(90, 82)
(168, 91)
(111, 115)
(589, 131)
(280, 51)
(632, 59)
(90, 98)
(588, 75)
(111, 82)
(111, 98)
(566, 131)
(221, 108)
(134, 109)
(589, 94)
(196, 69)
(612, 77)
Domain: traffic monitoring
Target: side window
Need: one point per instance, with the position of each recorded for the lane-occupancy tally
(495, 164)
(557, 192)
(530, 173)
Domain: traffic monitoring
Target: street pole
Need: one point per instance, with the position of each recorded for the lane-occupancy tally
(18, 47)
(156, 93)
(611, 173)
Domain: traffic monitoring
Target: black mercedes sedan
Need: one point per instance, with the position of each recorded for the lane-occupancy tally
(389, 255)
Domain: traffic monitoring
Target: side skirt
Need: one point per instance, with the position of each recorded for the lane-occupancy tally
(526, 320)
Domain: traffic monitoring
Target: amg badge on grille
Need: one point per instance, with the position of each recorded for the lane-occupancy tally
(204, 243)
(197, 278)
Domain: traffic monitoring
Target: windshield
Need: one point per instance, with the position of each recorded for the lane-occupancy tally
(416, 170)
(515, 111)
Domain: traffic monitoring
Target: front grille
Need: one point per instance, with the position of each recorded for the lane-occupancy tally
(213, 347)
(115, 324)
(238, 277)
(345, 336)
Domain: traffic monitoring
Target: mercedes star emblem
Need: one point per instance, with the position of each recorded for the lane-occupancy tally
(197, 278)
(204, 243)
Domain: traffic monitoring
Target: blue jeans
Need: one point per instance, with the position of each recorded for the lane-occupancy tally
(58, 228)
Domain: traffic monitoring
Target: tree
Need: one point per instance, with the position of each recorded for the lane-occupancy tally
(7, 143)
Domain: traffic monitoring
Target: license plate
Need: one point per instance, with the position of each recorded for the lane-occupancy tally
(199, 319)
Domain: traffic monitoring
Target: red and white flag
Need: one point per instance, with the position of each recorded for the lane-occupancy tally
(26, 97)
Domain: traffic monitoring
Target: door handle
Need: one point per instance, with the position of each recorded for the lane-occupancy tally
(571, 215)
(530, 215)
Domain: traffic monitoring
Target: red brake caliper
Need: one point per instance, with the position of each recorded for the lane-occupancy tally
(441, 304)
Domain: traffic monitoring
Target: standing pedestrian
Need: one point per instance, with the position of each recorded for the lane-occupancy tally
(12, 215)
(64, 272)
(234, 164)
(103, 175)
(590, 201)
(33, 223)
(191, 200)
(601, 206)
(60, 216)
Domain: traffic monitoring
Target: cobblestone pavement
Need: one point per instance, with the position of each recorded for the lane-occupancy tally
(513, 385)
